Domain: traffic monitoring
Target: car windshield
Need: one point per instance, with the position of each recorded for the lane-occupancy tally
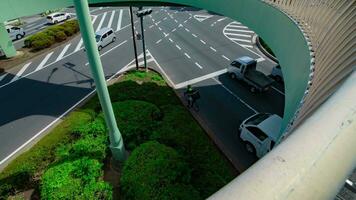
(97, 38)
(255, 120)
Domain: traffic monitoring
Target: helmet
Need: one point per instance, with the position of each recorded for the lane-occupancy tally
(190, 88)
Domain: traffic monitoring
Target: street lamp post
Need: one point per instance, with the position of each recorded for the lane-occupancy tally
(133, 37)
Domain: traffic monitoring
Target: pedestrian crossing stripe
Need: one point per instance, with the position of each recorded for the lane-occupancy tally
(239, 34)
(132, 64)
(201, 18)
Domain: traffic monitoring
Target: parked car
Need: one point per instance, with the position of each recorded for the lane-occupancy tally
(104, 37)
(277, 73)
(260, 132)
(15, 32)
(57, 17)
(244, 69)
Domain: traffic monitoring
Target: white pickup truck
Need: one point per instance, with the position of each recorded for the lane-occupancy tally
(244, 69)
(260, 132)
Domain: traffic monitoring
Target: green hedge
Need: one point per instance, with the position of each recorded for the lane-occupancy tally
(77, 179)
(51, 35)
(155, 171)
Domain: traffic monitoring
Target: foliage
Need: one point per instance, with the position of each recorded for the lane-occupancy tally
(51, 35)
(77, 179)
(19, 174)
(136, 120)
(155, 171)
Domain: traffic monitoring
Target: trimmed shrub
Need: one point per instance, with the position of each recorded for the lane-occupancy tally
(78, 179)
(155, 171)
(136, 121)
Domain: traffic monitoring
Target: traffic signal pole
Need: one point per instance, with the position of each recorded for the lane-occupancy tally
(133, 37)
(87, 32)
(143, 43)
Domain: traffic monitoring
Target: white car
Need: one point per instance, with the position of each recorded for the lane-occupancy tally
(57, 17)
(104, 37)
(15, 33)
(260, 132)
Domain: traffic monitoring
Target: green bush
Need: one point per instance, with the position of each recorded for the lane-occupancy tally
(20, 173)
(78, 179)
(155, 171)
(136, 121)
(94, 128)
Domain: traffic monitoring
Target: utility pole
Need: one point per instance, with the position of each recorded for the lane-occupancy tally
(141, 13)
(133, 37)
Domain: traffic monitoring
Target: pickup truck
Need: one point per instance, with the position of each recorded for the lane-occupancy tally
(244, 69)
(260, 133)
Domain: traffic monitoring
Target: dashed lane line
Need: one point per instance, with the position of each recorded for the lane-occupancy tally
(194, 35)
(187, 55)
(178, 47)
(158, 41)
(187, 30)
(151, 26)
(234, 95)
(65, 49)
(18, 75)
(40, 66)
(226, 57)
(202, 41)
(197, 64)
(213, 49)
(170, 40)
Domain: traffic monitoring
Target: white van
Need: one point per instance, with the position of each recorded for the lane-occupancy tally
(15, 33)
(104, 37)
(57, 17)
(277, 73)
(260, 132)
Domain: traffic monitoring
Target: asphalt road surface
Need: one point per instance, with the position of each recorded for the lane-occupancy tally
(188, 46)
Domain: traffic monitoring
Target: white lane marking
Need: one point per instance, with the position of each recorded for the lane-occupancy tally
(79, 45)
(178, 47)
(187, 55)
(40, 66)
(119, 21)
(202, 41)
(280, 92)
(165, 18)
(194, 35)
(213, 49)
(246, 46)
(165, 34)
(86, 64)
(170, 39)
(240, 40)
(201, 18)
(63, 52)
(18, 75)
(153, 19)
(238, 30)
(260, 59)
(240, 35)
(175, 21)
(187, 30)
(235, 22)
(2, 76)
(225, 57)
(233, 94)
(237, 26)
(185, 21)
(219, 20)
(174, 30)
(1, 86)
(197, 64)
(101, 22)
(160, 28)
(151, 26)
(111, 18)
(158, 41)
(158, 23)
(199, 79)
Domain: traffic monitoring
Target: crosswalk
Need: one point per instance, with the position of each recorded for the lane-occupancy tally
(239, 34)
(115, 19)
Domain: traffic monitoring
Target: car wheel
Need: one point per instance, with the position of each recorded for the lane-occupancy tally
(100, 48)
(56, 22)
(68, 17)
(113, 39)
(232, 75)
(278, 78)
(252, 89)
(18, 37)
(250, 148)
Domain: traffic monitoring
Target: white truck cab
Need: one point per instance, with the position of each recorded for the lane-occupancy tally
(260, 132)
(15, 33)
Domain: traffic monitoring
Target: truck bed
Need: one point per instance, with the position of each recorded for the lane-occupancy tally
(258, 78)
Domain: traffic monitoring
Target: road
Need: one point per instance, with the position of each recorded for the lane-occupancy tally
(188, 46)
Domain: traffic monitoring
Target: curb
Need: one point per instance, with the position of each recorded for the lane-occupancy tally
(256, 40)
